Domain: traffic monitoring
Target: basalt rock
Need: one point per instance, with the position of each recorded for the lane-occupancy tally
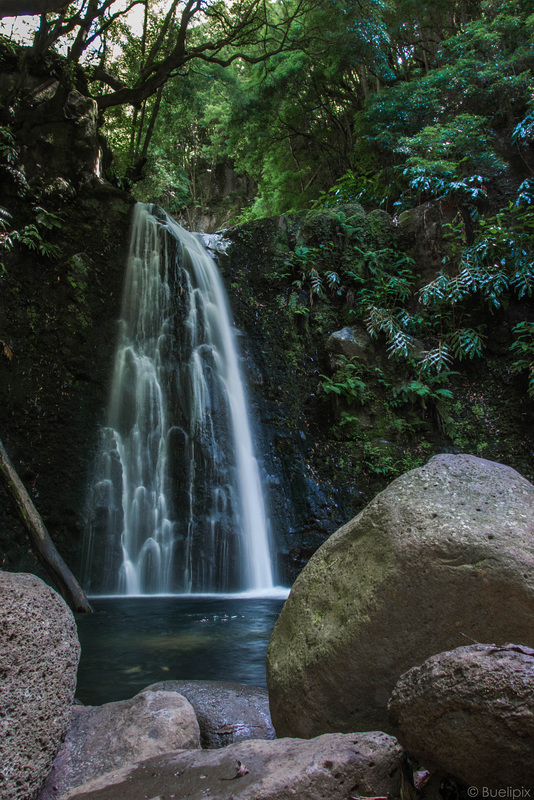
(350, 342)
(226, 712)
(333, 767)
(444, 553)
(59, 319)
(420, 233)
(106, 738)
(59, 309)
(469, 714)
(39, 654)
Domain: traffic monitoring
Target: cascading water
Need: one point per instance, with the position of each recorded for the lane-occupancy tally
(177, 503)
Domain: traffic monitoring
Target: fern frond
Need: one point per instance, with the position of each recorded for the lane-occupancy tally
(332, 279)
(467, 343)
(438, 289)
(400, 345)
(316, 281)
(381, 320)
(5, 216)
(523, 280)
(437, 359)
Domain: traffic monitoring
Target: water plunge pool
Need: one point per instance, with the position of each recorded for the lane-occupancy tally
(131, 642)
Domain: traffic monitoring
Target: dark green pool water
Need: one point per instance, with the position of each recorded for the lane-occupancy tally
(129, 643)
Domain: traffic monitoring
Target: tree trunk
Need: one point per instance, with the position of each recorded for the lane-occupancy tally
(41, 542)
(24, 8)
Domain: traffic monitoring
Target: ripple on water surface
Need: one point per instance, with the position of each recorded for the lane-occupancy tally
(131, 642)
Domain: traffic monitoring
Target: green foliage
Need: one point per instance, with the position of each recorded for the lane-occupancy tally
(452, 160)
(436, 135)
(294, 305)
(466, 343)
(348, 262)
(374, 102)
(523, 350)
(47, 219)
(32, 235)
(369, 188)
(429, 390)
(497, 265)
(5, 216)
(346, 382)
(10, 160)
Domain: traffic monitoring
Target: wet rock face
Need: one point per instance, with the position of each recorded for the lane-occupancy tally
(444, 553)
(59, 317)
(58, 150)
(420, 234)
(284, 356)
(39, 654)
(58, 314)
(469, 713)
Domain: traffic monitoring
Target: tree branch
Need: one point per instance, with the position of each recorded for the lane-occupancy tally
(30, 8)
(235, 33)
(100, 73)
(41, 542)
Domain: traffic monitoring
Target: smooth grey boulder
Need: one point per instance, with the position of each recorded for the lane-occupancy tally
(226, 712)
(335, 766)
(39, 654)
(469, 713)
(444, 554)
(105, 738)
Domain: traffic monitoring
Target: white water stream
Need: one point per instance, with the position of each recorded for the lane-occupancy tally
(177, 502)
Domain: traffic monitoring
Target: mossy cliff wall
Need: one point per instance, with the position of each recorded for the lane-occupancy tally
(335, 419)
(60, 293)
(59, 319)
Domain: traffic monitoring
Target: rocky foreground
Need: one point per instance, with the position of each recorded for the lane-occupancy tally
(442, 558)
(445, 554)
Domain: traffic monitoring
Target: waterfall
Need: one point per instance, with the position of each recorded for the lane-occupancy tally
(176, 505)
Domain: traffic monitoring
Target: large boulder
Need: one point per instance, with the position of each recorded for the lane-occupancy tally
(105, 738)
(350, 342)
(335, 766)
(226, 712)
(39, 654)
(469, 714)
(445, 553)
(61, 146)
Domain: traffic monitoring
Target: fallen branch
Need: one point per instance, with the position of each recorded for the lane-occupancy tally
(42, 544)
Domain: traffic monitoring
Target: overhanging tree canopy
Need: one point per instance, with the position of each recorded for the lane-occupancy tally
(175, 35)
(250, 30)
(30, 8)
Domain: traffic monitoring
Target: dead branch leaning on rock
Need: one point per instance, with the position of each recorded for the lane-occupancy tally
(42, 544)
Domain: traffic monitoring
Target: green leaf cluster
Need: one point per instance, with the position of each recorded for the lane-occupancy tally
(523, 350)
(346, 382)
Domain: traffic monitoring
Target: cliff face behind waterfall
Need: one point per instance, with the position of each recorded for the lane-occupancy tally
(341, 417)
(59, 319)
(335, 417)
